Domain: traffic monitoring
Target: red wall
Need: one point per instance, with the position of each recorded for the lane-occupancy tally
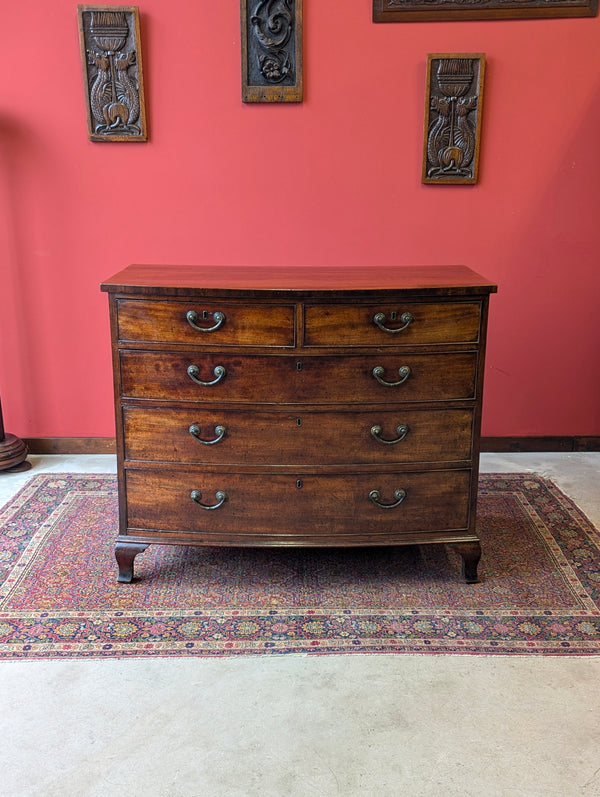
(333, 180)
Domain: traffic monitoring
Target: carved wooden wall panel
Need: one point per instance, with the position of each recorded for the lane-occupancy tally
(111, 56)
(440, 10)
(453, 105)
(271, 50)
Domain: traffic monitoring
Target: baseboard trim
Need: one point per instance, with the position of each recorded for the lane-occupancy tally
(512, 445)
(497, 445)
(70, 445)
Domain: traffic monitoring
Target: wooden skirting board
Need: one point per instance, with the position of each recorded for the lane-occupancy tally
(500, 445)
(506, 445)
(70, 445)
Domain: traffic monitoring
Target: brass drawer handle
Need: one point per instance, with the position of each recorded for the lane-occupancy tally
(402, 431)
(378, 373)
(218, 318)
(193, 371)
(399, 495)
(379, 319)
(194, 430)
(196, 497)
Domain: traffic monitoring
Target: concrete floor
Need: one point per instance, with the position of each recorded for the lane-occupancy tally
(297, 725)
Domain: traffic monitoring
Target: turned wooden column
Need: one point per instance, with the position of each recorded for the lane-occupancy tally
(13, 451)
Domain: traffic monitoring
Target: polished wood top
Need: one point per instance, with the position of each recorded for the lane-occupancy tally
(308, 280)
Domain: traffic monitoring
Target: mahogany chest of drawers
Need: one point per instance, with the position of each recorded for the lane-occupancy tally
(297, 406)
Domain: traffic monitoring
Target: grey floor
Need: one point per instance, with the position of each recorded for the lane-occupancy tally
(297, 725)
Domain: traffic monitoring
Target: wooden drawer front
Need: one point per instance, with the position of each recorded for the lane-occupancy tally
(242, 324)
(304, 438)
(291, 380)
(354, 325)
(286, 507)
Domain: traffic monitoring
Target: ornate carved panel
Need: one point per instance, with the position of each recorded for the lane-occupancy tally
(271, 50)
(440, 10)
(111, 56)
(453, 105)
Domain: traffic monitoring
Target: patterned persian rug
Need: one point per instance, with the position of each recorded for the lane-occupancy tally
(59, 596)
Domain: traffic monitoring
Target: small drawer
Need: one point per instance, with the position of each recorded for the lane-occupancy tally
(389, 324)
(225, 436)
(205, 323)
(222, 377)
(231, 508)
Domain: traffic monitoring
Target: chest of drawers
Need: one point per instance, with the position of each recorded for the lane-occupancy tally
(300, 406)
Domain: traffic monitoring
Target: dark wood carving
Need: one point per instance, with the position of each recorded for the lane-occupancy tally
(13, 451)
(441, 10)
(111, 56)
(271, 50)
(453, 105)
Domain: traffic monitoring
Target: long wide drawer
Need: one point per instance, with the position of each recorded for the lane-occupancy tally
(231, 506)
(226, 436)
(223, 377)
(207, 323)
(391, 324)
